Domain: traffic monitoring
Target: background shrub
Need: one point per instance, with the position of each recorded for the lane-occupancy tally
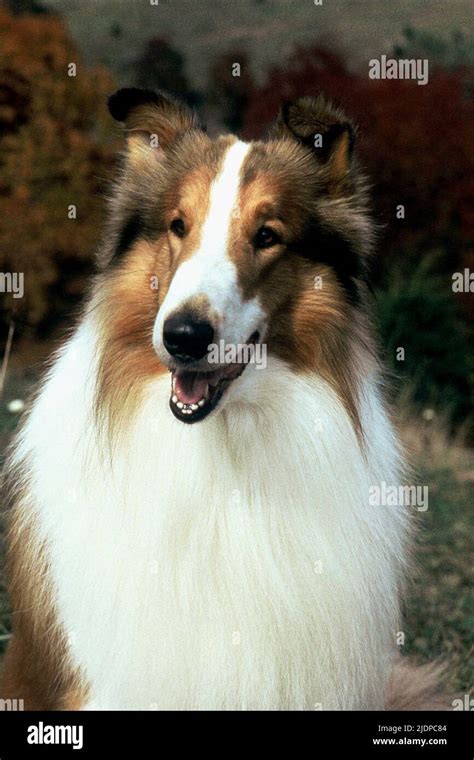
(416, 312)
(55, 147)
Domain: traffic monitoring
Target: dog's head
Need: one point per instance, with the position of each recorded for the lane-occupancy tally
(217, 248)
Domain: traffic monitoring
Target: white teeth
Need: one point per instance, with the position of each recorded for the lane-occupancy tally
(187, 408)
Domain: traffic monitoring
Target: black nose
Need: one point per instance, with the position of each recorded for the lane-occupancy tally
(186, 337)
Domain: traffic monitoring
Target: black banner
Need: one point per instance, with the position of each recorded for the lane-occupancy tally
(372, 734)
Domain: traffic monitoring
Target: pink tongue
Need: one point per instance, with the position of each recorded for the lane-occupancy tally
(189, 387)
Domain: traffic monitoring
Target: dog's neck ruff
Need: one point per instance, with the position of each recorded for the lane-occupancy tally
(236, 563)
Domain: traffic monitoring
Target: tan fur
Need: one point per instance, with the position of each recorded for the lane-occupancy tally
(126, 306)
(417, 687)
(166, 122)
(192, 208)
(36, 668)
(310, 328)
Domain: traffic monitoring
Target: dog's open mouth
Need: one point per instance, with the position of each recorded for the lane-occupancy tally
(195, 394)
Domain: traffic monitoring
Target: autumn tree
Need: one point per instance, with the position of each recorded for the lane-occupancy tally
(415, 141)
(162, 67)
(55, 150)
(230, 88)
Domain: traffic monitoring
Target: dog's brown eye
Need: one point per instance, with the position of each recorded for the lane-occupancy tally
(265, 238)
(177, 226)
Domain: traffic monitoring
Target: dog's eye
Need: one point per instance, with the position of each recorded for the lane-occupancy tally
(178, 227)
(266, 238)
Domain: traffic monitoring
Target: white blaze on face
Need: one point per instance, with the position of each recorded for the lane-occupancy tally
(210, 272)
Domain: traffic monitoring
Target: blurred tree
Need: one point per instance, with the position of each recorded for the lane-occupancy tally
(162, 67)
(116, 31)
(448, 52)
(230, 87)
(55, 147)
(25, 6)
(415, 141)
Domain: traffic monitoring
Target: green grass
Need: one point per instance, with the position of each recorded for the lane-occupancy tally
(18, 386)
(439, 616)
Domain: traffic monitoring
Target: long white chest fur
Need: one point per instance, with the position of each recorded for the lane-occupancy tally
(235, 563)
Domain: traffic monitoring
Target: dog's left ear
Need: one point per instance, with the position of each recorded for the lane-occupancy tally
(322, 128)
(151, 119)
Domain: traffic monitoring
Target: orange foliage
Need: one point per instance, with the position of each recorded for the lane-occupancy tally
(55, 148)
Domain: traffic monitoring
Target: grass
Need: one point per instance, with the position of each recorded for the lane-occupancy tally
(439, 613)
(439, 618)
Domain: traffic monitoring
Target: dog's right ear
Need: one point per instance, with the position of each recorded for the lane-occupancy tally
(152, 119)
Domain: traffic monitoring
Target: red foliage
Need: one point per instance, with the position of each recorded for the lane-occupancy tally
(416, 142)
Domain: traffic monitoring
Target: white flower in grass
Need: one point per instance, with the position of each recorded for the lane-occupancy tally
(16, 406)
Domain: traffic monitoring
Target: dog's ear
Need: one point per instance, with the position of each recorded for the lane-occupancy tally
(325, 130)
(152, 119)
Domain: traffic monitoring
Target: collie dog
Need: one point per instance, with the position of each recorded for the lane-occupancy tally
(187, 532)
